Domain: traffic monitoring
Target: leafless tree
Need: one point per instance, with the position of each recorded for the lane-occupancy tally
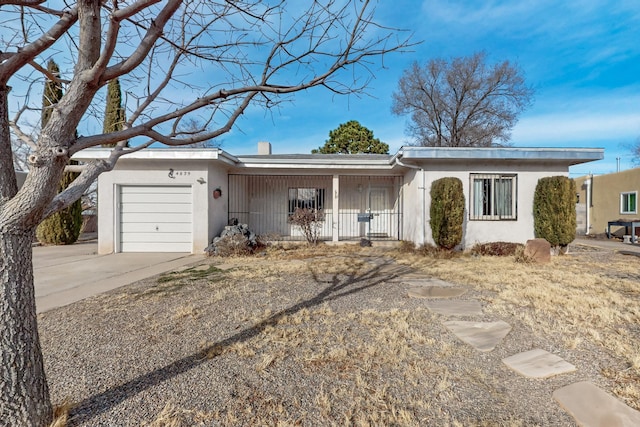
(174, 59)
(191, 127)
(635, 151)
(461, 103)
(21, 151)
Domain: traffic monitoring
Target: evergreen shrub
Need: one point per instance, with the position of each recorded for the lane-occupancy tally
(554, 210)
(64, 226)
(447, 212)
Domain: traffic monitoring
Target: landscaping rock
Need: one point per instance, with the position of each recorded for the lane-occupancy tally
(538, 250)
(238, 236)
(365, 243)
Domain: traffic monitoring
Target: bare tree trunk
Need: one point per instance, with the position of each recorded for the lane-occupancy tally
(24, 394)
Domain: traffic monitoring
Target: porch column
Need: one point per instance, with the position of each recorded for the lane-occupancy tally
(335, 220)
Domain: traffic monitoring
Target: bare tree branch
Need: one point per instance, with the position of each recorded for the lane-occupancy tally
(26, 54)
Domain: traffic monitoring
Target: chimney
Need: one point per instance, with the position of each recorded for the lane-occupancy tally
(264, 148)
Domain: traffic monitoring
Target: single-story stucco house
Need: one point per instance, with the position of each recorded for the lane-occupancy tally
(602, 199)
(177, 200)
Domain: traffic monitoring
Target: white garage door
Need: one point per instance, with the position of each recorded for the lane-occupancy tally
(155, 218)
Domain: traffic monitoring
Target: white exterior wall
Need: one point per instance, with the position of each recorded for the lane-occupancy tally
(413, 195)
(480, 231)
(211, 215)
(217, 177)
(156, 172)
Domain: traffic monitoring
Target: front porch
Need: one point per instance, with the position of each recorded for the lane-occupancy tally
(265, 202)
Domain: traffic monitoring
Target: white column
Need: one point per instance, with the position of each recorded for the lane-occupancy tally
(334, 207)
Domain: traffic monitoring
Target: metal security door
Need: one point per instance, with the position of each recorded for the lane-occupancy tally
(379, 210)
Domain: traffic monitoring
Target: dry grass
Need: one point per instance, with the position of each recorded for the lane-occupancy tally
(581, 298)
(61, 414)
(325, 335)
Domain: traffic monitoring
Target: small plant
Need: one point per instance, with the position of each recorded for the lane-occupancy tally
(554, 211)
(447, 212)
(406, 247)
(61, 414)
(310, 223)
(435, 252)
(496, 249)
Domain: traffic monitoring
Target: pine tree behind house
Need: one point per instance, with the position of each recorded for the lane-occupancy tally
(114, 116)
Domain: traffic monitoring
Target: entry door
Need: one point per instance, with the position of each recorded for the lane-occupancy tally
(379, 209)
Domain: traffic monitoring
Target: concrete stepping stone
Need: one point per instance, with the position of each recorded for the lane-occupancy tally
(425, 281)
(593, 407)
(538, 363)
(455, 307)
(483, 336)
(436, 292)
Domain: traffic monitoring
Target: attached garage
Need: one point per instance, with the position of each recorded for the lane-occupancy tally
(155, 218)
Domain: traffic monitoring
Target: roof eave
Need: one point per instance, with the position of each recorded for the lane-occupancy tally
(160, 154)
(569, 156)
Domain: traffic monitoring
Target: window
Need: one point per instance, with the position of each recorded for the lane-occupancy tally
(628, 202)
(310, 198)
(493, 197)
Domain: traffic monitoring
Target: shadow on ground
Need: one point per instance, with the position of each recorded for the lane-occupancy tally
(338, 286)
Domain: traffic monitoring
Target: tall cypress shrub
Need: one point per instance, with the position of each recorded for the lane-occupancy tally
(62, 227)
(51, 95)
(554, 210)
(447, 212)
(114, 116)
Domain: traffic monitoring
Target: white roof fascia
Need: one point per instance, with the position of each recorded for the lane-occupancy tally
(160, 154)
(269, 162)
(570, 156)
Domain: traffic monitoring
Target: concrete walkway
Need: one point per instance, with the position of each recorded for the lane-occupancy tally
(585, 402)
(66, 274)
(610, 244)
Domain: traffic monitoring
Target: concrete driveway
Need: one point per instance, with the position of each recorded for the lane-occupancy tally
(66, 274)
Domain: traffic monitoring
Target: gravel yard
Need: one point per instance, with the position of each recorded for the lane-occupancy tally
(329, 336)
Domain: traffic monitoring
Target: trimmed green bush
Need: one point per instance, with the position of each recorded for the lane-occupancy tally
(554, 210)
(62, 227)
(447, 212)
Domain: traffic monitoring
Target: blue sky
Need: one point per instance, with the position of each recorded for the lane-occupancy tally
(581, 56)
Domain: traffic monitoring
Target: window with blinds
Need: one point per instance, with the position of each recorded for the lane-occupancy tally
(493, 197)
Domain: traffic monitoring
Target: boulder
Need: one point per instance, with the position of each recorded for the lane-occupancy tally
(245, 238)
(538, 250)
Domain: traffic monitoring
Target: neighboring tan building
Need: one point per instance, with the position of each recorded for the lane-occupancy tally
(607, 198)
(177, 200)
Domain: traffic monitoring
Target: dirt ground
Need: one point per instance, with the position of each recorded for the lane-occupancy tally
(329, 336)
